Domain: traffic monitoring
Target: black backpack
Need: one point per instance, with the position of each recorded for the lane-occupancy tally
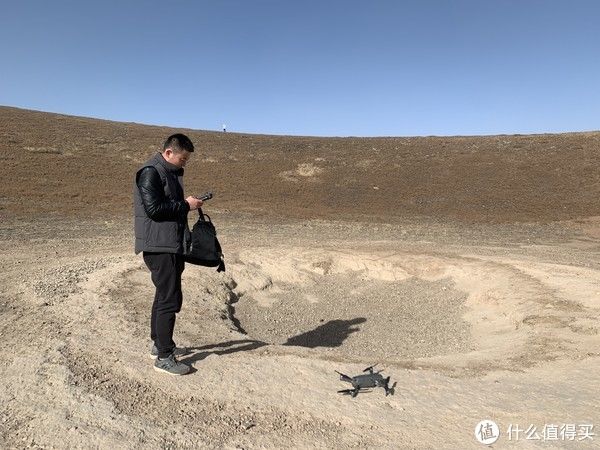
(202, 246)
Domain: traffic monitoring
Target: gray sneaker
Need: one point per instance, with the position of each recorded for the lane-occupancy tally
(179, 351)
(171, 366)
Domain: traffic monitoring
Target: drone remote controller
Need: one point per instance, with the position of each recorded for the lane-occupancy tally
(205, 196)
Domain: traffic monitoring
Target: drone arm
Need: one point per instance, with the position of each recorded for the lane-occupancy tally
(344, 377)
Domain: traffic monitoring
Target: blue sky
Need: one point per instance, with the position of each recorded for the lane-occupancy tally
(310, 67)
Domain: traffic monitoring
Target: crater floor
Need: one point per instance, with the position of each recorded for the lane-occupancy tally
(495, 322)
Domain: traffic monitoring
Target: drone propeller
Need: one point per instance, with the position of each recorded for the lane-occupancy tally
(392, 389)
(370, 368)
(346, 391)
(353, 392)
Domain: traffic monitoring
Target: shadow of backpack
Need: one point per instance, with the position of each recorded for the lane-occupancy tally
(202, 246)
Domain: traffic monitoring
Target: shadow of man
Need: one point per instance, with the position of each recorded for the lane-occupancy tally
(330, 334)
(224, 348)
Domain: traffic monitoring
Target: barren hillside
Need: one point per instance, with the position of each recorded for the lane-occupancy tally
(77, 166)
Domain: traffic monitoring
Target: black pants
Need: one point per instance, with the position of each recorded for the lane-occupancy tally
(166, 270)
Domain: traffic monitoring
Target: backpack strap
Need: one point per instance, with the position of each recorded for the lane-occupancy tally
(203, 216)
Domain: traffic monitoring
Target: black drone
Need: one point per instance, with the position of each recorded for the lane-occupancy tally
(364, 382)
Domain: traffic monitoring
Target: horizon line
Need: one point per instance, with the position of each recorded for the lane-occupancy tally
(537, 133)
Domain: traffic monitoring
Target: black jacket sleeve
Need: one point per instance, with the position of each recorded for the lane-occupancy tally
(157, 206)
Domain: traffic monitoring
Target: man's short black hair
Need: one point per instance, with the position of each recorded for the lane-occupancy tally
(178, 143)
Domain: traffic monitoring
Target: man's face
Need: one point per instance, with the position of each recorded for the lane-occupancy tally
(178, 159)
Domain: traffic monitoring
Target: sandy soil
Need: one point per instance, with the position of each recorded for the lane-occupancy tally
(495, 318)
(470, 325)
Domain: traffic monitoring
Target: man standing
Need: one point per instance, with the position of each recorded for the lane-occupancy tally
(160, 224)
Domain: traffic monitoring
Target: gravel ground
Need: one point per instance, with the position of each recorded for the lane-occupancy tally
(470, 322)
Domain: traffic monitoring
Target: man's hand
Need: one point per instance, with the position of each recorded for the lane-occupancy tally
(194, 202)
